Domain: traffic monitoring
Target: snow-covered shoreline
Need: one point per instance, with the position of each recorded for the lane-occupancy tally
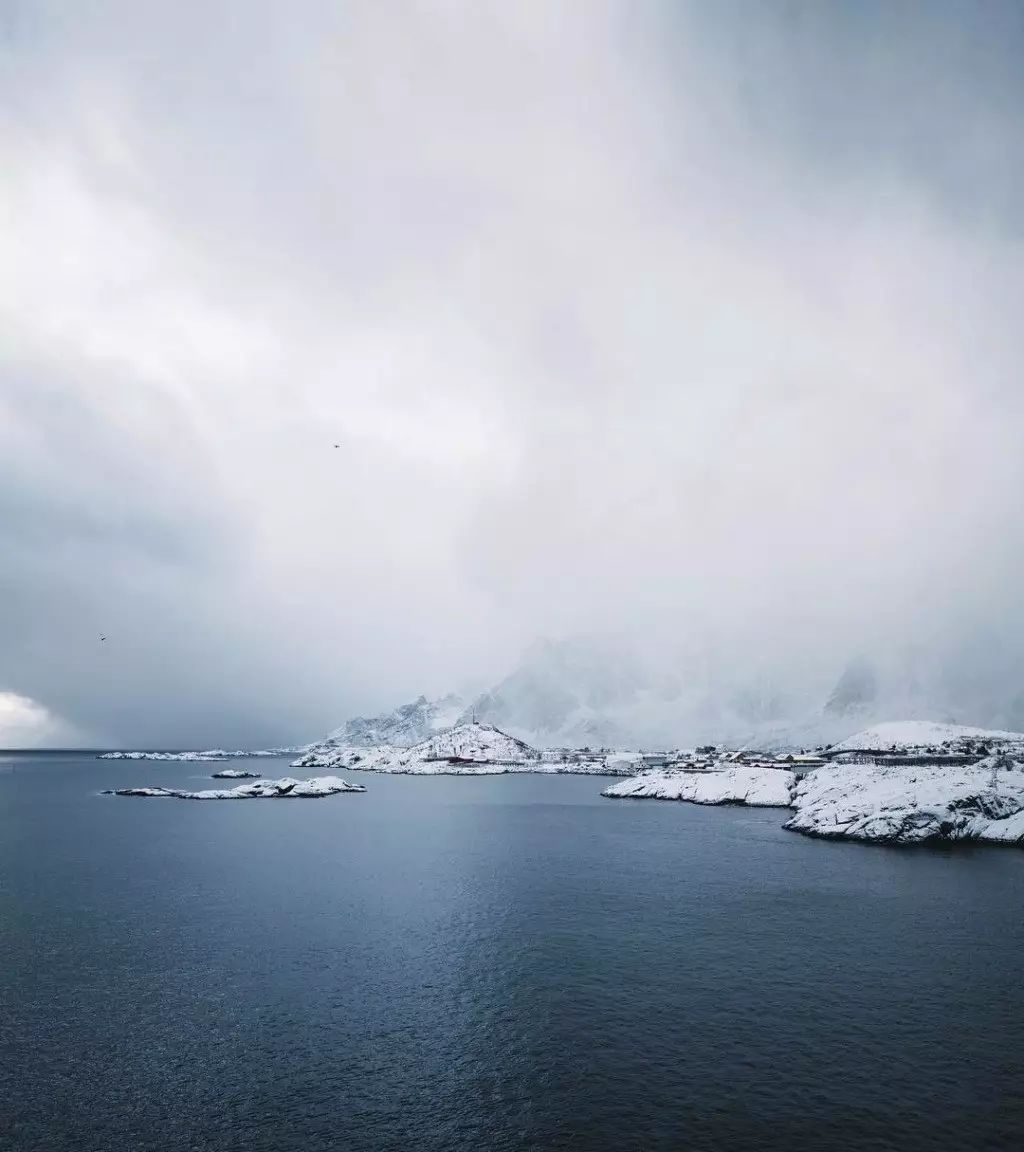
(907, 782)
(722, 784)
(913, 791)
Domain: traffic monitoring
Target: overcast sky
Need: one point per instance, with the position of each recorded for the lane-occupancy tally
(663, 319)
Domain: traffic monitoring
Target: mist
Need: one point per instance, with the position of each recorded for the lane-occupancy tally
(344, 355)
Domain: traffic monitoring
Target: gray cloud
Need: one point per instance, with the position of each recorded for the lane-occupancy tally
(693, 323)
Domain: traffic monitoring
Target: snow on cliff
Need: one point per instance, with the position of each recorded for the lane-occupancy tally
(722, 784)
(908, 805)
(284, 789)
(914, 735)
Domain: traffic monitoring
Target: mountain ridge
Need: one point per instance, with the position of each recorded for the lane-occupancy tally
(599, 694)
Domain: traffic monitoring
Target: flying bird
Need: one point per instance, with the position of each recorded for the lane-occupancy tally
(103, 637)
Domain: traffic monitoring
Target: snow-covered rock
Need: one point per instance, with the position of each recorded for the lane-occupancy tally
(342, 756)
(284, 789)
(235, 774)
(723, 783)
(908, 805)
(201, 757)
(139, 792)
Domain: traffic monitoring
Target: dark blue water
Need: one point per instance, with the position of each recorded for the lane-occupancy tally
(497, 963)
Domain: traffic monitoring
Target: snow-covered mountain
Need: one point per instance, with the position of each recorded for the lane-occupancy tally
(475, 741)
(602, 693)
(597, 692)
(403, 727)
(576, 693)
(949, 686)
(467, 743)
(856, 689)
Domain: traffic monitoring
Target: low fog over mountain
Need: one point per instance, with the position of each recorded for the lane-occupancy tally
(602, 694)
(350, 356)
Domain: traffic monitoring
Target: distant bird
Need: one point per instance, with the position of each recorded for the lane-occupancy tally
(103, 637)
(337, 445)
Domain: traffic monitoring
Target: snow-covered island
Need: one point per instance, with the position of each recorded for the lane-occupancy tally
(284, 789)
(471, 749)
(202, 757)
(235, 774)
(212, 754)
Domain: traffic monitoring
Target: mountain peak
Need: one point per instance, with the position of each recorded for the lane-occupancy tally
(404, 726)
